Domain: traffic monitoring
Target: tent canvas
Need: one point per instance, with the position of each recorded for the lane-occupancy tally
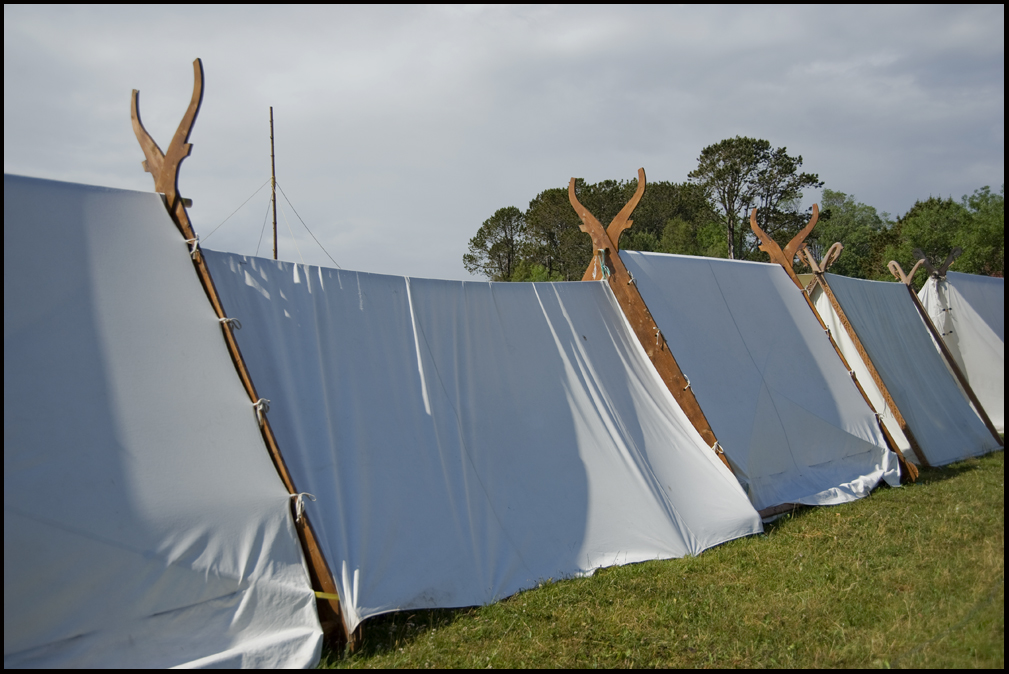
(969, 313)
(787, 414)
(889, 415)
(898, 343)
(144, 522)
(466, 440)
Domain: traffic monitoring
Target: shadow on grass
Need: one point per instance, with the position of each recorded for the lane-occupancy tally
(932, 475)
(391, 631)
(402, 630)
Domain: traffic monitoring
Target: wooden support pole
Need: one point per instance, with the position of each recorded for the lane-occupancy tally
(273, 185)
(876, 378)
(951, 361)
(606, 264)
(164, 168)
(784, 258)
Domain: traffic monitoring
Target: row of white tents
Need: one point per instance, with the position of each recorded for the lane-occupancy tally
(461, 441)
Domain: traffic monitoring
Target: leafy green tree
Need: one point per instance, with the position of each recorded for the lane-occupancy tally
(726, 170)
(692, 238)
(639, 240)
(777, 194)
(740, 173)
(932, 226)
(555, 241)
(496, 249)
(858, 227)
(936, 226)
(983, 241)
(664, 201)
(534, 273)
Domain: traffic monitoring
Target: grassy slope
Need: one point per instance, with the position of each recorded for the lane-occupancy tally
(907, 577)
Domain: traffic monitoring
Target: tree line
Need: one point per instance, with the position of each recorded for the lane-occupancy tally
(708, 214)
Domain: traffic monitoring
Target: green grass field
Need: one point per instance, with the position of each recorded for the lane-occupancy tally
(908, 577)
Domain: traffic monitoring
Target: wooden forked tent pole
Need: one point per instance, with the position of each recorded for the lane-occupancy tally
(784, 258)
(607, 265)
(164, 168)
(874, 373)
(906, 279)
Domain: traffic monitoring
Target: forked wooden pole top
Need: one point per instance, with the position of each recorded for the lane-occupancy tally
(939, 273)
(771, 247)
(821, 266)
(607, 265)
(164, 166)
(898, 272)
(622, 219)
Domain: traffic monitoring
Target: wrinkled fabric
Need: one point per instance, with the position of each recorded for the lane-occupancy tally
(969, 313)
(787, 414)
(901, 348)
(467, 440)
(144, 522)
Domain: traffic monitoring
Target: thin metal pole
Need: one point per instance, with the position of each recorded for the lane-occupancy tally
(273, 185)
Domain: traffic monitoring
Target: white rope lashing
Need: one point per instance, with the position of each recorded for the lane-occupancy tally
(299, 504)
(262, 407)
(234, 322)
(194, 246)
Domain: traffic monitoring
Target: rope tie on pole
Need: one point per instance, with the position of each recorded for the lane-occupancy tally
(234, 322)
(688, 382)
(717, 448)
(658, 334)
(299, 504)
(194, 246)
(633, 281)
(601, 254)
(262, 407)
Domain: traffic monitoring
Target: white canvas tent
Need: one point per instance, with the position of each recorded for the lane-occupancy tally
(144, 522)
(467, 440)
(969, 313)
(902, 351)
(787, 414)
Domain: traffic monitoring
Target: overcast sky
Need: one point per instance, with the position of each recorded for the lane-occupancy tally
(400, 130)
